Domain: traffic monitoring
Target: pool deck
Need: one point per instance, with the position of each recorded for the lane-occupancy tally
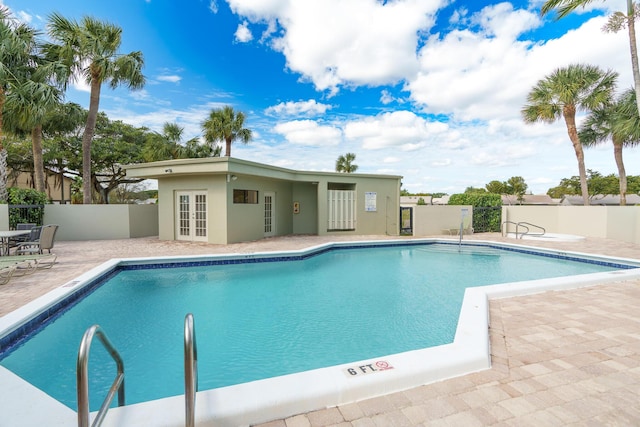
(559, 358)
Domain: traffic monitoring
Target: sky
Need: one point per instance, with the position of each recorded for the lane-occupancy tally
(430, 90)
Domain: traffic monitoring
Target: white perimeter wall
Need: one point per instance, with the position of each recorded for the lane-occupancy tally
(430, 220)
(102, 222)
(609, 222)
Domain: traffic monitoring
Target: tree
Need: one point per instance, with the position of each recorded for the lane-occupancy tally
(16, 46)
(225, 125)
(27, 105)
(473, 190)
(616, 22)
(168, 145)
(345, 163)
(598, 185)
(116, 144)
(62, 130)
(619, 122)
(90, 49)
(577, 87)
(516, 185)
(496, 187)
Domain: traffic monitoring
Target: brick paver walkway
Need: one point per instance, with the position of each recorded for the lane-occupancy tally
(559, 358)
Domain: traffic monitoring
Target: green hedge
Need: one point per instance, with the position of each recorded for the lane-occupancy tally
(26, 196)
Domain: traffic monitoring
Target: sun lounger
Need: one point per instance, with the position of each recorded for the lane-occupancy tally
(37, 261)
(6, 272)
(20, 265)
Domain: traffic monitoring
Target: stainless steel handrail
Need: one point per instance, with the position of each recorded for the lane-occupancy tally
(518, 225)
(525, 224)
(190, 370)
(82, 377)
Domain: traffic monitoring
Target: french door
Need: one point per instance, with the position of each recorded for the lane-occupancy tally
(269, 216)
(191, 215)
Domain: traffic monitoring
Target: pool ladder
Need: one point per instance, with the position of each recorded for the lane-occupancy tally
(525, 225)
(82, 375)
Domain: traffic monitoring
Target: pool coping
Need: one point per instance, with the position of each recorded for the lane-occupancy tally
(284, 396)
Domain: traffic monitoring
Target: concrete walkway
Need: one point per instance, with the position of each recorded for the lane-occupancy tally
(558, 358)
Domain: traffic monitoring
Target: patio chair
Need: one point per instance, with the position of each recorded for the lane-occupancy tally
(46, 242)
(26, 238)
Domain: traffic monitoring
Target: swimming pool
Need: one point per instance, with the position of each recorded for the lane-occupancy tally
(404, 366)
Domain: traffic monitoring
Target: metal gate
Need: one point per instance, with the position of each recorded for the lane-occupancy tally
(486, 219)
(406, 221)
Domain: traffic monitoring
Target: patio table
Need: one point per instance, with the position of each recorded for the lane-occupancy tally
(6, 236)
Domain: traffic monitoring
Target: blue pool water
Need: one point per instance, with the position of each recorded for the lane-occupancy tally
(259, 320)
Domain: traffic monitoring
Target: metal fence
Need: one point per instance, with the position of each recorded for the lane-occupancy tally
(486, 219)
(25, 214)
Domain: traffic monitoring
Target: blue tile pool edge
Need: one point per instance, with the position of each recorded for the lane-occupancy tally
(12, 340)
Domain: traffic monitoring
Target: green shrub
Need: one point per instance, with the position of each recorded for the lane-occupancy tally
(26, 196)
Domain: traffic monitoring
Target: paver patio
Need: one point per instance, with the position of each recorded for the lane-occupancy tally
(558, 358)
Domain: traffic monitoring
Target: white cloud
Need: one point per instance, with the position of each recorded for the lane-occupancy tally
(400, 129)
(243, 33)
(310, 133)
(472, 76)
(140, 95)
(362, 42)
(24, 16)
(502, 21)
(213, 6)
(169, 78)
(291, 108)
(81, 85)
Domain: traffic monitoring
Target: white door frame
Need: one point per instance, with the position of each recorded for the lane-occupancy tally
(269, 214)
(191, 215)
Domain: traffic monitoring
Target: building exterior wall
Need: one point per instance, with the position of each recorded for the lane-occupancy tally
(306, 220)
(230, 222)
(56, 192)
(385, 218)
(214, 185)
(247, 220)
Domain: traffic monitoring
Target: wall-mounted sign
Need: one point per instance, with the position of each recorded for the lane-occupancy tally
(370, 201)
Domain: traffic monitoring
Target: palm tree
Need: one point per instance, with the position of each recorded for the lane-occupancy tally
(616, 22)
(619, 122)
(26, 109)
(345, 163)
(165, 145)
(90, 49)
(17, 43)
(225, 125)
(168, 145)
(565, 91)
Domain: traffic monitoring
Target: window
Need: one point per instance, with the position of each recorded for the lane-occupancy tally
(245, 196)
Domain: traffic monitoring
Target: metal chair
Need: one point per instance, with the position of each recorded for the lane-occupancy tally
(45, 242)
